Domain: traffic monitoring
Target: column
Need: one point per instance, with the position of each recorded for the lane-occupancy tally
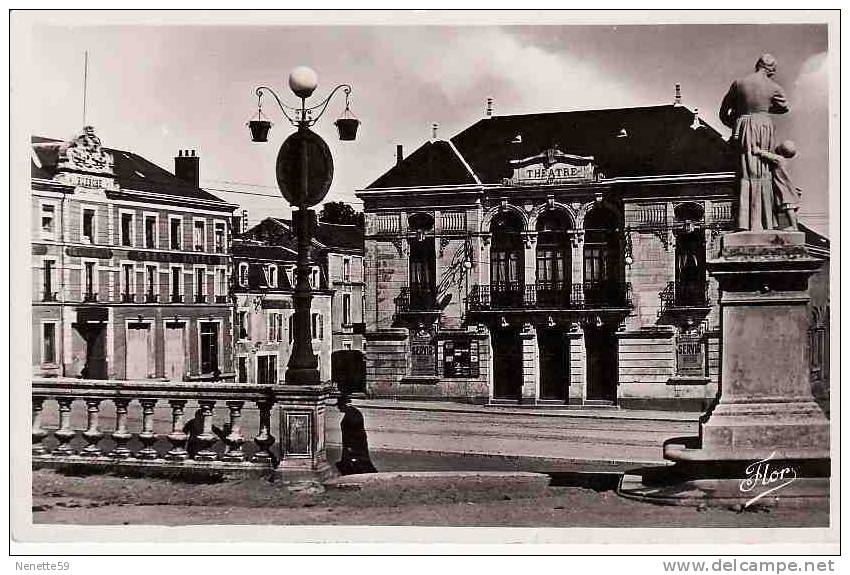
(578, 364)
(530, 364)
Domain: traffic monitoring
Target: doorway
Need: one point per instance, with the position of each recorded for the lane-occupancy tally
(94, 336)
(602, 370)
(554, 364)
(175, 356)
(139, 354)
(507, 364)
(209, 347)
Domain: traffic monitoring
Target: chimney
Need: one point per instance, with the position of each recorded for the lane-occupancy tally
(399, 154)
(434, 127)
(677, 101)
(244, 224)
(236, 225)
(186, 167)
(488, 113)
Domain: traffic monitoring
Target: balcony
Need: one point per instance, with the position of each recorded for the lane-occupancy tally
(128, 298)
(151, 297)
(221, 299)
(176, 298)
(200, 298)
(89, 296)
(416, 302)
(684, 299)
(148, 425)
(550, 296)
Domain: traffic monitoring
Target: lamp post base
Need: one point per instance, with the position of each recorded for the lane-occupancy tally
(302, 432)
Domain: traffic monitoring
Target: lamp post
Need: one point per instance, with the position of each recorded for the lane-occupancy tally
(304, 173)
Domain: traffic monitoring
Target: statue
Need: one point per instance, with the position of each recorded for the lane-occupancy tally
(355, 447)
(746, 109)
(785, 195)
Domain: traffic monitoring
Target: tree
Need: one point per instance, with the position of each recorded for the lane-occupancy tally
(340, 213)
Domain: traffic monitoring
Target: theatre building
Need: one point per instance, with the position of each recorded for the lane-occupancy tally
(553, 258)
(130, 266)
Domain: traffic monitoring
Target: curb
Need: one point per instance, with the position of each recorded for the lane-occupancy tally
(578, 413)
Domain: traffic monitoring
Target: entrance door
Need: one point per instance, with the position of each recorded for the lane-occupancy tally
(507, 364)
(209, 347)
(138, 351)
(602, 372)
(94, 334)
(554, 364)
(175, 356)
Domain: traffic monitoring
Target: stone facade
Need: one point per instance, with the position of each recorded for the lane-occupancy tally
(263, 285)
(130, 268)
(518, 273)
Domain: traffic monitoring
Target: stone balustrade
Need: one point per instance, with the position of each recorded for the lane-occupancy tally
(144, 424)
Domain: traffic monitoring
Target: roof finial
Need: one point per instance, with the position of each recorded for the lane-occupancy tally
(696, 124)
(488, 113)
(677, 101)
(434, 127)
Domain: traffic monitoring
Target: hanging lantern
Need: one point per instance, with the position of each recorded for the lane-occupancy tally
(347, 124)
(259, 127)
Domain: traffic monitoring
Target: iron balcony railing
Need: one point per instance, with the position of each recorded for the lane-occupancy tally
(416, 299)
(550, 295)
(684, 295)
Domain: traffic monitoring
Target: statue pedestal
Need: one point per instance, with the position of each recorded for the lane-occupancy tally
(765, 430)
(302, 433)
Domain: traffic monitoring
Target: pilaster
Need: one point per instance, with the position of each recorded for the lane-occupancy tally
(530, 364)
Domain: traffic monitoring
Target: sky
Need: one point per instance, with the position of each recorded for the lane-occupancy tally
(155, 90)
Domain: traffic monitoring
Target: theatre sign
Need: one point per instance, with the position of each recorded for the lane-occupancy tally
(551, 167)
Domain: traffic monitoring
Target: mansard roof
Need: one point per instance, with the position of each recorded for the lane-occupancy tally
(625, 142)
(132, 171)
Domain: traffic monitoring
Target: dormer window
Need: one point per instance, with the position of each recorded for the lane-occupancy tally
(243, 274)
(270, 273)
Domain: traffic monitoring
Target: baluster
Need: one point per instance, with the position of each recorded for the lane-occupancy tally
(177, 437)
(64, 434)
(147, 436)
(121, 436)
(234, 439)
(207, 438)
(92, 434)
(264, 440)
(38, 433)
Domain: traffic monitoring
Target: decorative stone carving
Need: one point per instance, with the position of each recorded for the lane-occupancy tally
(85, 153)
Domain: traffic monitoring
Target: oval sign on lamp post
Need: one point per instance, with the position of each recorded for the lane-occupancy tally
(304, 148)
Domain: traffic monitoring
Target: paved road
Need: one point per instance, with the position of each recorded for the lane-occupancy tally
(405, 435)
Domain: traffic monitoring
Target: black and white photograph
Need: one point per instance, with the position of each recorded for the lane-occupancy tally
(390, 276)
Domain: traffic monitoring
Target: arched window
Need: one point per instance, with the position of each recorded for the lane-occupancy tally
(553, 258)
(507, 277)
(243, 274)
(602, 259)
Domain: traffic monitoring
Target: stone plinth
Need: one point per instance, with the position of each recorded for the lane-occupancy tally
(765, 410)
(302, 433)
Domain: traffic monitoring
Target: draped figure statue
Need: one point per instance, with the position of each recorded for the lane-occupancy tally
(747, 109)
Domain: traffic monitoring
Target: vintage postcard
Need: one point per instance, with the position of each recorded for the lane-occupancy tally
(560, 278)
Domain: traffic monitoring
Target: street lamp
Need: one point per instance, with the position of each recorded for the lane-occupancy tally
(304, 172)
